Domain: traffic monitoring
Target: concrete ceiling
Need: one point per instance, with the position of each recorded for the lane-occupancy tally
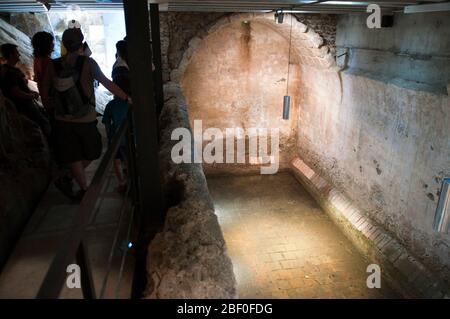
(311, 6)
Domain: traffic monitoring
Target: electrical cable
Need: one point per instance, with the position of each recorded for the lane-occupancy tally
(289, 58)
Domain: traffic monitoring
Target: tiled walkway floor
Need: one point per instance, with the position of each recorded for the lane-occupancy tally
(283, 245)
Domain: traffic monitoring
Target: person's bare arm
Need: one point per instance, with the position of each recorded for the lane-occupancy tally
(45, 87)
(112, 87)
(40, 88)
(43, 92)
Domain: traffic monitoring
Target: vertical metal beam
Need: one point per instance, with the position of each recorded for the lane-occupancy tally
(144, 111)
(131, 160)
(87, 280)
(156, 46)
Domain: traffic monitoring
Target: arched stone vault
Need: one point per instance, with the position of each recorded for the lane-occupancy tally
(307, 45)
(222, 103)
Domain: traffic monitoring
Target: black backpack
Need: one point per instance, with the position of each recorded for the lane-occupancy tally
(68, 96)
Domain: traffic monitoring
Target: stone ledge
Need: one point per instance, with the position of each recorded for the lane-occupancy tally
(25, 166)
(188, 258)
(406, 272)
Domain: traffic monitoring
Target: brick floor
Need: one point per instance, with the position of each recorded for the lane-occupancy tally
(283, 245)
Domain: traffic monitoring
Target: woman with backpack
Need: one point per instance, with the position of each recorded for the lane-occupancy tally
(68, 87)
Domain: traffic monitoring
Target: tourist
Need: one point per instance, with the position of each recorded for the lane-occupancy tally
(43, 45)
(116, 110)
(14, 86)
(69, 87)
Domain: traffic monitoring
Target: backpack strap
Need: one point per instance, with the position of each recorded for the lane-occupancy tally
(58, 65)
(79, 63)
(79, 68)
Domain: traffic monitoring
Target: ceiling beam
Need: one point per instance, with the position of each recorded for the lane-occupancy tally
(435, 7)
(329, 7)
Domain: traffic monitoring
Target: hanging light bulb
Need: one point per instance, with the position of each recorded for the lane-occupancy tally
(287, 98)
(286, 107)
(280, 17)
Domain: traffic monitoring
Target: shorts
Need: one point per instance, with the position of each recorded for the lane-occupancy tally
(77, 142)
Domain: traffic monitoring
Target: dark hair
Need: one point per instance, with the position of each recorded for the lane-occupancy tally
(72, 39)
(8, 49)
(122, 49)
(42, 44)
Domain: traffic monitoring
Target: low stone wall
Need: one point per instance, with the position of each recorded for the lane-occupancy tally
(403, 270)
(24, 173)
(188, 258)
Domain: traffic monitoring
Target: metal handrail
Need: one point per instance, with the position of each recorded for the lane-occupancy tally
(72, 246)
(125, 206)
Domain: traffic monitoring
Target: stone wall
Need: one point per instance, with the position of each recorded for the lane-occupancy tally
(24, 155)
(325, 26)
(385, 146)
(188, 258)
(31, 23)
(24, 173)
(237, 77)
(402, 269)
(10, 34)
(23, 26)
(414, 53)
(178, 28)
(245, 59)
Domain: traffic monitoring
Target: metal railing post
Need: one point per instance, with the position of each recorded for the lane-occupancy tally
(145, 113)
(87, 281)
(71, 246)
(156, 47)
(131, 160)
